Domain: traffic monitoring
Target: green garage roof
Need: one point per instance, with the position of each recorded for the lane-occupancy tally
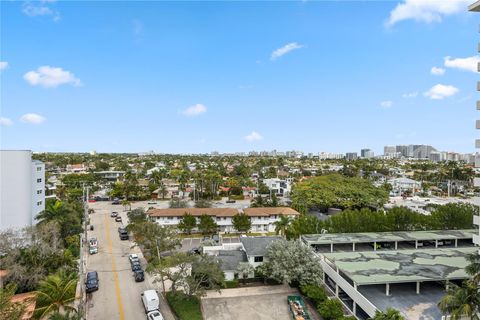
(403, 266)
(363, 237)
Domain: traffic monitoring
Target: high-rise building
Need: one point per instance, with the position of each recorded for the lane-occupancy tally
(388, 150)
(366, 153)
(476, 181)
(351, 156)
(22, 189)
(404, 151)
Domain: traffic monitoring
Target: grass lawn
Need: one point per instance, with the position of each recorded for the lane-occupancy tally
(184, 307)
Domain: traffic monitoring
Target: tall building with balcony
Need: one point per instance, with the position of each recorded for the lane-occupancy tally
(22, 189)
(476, 219)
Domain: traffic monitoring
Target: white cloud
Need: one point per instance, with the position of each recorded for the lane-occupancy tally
(440, 91)
(51, 77)
(467, 64)
(6, 122)
(284, 50)
(32, 118)
(40, 8)
(437, 71)
(410, 95)
(253, 136)
(427, 11)
(386, 104)
(194, 110)
(3, 65)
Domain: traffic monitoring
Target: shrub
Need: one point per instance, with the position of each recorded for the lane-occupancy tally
(237, 197)
(185, 307)
(231, 284)
(315, 293)
(331, 309)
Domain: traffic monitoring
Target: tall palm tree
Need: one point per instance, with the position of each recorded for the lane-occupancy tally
(281, 225)
(473, 269)
(461, 302)
(389, 314)
(54, 211)
(55, 294)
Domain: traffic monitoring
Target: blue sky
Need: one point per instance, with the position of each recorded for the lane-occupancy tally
(192, 77)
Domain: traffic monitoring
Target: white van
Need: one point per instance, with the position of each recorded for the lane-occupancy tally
(150, 300)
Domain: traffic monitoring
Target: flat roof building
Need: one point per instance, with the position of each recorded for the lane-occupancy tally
(408, 271)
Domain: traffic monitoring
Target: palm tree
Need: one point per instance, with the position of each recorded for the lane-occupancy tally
(389, 314)
(156, 178)
(125, 204)
(55, 294)
(281, 225)
(460, 302)
(54, 211)
(473, 269)
(162, 189)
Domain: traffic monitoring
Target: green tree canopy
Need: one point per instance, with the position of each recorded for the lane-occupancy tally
(241, 222)
(188, 223)
(335, 190)
(207, 225)
(291, 262)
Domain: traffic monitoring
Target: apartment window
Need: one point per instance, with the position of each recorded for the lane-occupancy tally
(39, 203)
(224, 218)
(39, 180)
(170, 218)
(39, 168)
(39, 191)
(258, 259)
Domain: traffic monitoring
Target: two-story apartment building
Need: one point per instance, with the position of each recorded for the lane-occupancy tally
(263, 219)
(281, 187)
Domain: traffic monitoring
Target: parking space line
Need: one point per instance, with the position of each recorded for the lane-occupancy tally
(114, 269)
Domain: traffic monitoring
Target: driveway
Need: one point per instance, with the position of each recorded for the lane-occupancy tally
(254, 303)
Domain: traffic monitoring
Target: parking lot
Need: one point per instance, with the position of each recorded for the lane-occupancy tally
(254, 303)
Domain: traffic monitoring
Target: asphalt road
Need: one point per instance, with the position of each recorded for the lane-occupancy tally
(119, 295)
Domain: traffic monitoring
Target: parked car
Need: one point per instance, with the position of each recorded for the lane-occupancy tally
(116, 201)
(139, 275)
(114, 214)
(154, 315)
(123, 233)
(92, 249)
(152, 202)
(91, 283)
(118, 219)
(231, 201)
(206, 238)
(136, 266)
(195, 250)
(133, 257)
(216, 238)
(93, 242)
(150, 300)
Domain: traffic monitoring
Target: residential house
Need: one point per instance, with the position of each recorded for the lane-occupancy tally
(76, 168)
(281, 187)
(400, 185)
(256, 248)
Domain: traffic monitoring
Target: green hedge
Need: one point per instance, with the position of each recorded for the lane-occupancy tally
(231, 284)
(234, 197)
(185, 307)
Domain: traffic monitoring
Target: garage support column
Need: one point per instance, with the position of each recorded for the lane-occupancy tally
(436, 243)
(418, 287)
(353, 246)
(336, 290)
(354, 310)
(396, 245)
(387, 289)
(331, 247)
(416, 244)
(375, 246)
(456, 243)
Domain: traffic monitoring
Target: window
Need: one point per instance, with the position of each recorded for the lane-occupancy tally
(39, 203)
(39, 168)
(170, 218)
(39, 191)
(258, 259)
(39, 180)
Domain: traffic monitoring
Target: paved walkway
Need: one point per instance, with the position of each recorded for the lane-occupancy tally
(250, 291)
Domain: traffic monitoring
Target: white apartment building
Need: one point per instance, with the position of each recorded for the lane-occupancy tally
(281, 187)
(22, 189)
(263, 219)
(475, 7)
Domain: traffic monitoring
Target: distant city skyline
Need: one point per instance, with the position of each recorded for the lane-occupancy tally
(237, 76)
